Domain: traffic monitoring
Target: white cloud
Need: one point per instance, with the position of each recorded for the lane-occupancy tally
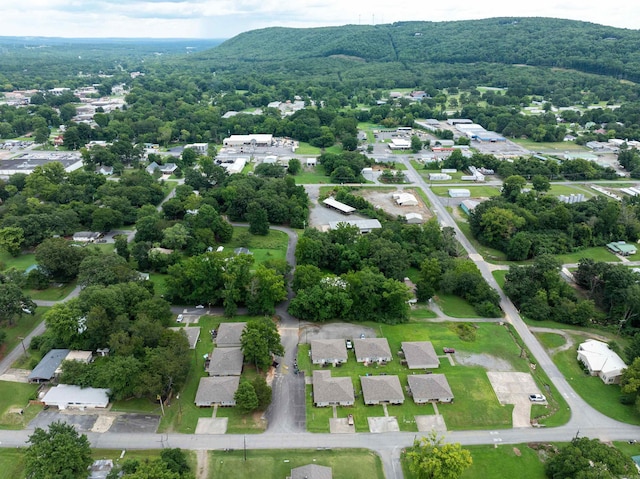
(225, 18)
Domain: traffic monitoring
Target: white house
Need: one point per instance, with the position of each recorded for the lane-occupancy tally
(601, 361)
(65, 396)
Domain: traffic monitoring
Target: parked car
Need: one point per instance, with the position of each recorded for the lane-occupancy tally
(179, 318)
(362, 336)
(200, 306)
(448, 350)
(537, 398)
(349, 344)
(350, 419)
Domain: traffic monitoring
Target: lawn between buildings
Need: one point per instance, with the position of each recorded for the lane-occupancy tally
(345, 463)
(475, 405)
(14, 397)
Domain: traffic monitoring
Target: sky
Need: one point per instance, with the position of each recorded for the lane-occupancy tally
(227, 18)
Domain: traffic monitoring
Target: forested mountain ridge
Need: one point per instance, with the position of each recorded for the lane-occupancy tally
(550, 42)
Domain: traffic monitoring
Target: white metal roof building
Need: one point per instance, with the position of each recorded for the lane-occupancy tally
(365, 226)
(248, 140)
(405, 199)
(414, 218)
(337, 205)
(601, 361)
(65, 396)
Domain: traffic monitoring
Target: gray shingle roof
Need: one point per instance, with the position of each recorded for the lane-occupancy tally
(217, 390)
(420, 354)
(229, 335)
(381, 389)
(46, 368)
(328, 350)
(331, 390)
(429, 386)
(226, 362)
(311, 471)
(373, 348)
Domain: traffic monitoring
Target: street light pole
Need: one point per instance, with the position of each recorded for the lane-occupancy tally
(22, 342)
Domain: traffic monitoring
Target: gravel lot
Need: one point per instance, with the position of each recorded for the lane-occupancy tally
(311, 331)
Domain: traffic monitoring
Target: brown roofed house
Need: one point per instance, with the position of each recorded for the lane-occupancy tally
(328, 391)
(420, 355)
(429, 387)
(333, 351)
(229, 335)
(381, 389)
(372, 350)
(226, 362)
(217, 390)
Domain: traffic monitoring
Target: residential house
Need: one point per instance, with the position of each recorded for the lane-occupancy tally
(328, 391)
(427, 388)
(100, 469)
(69, 396)
(372, 350)
(420, 355)
(601, 361)
(311, 471)
(381, 389)
(106, 170)
(226, 362)
(229, 335)
(217, 391)
(46, 368)
(86, 236)
(328, 351)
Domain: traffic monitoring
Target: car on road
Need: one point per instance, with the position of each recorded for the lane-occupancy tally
(362, 336)
(200, 306)
(349, 344)
(179, 318)
(448, 350)
(537, 398)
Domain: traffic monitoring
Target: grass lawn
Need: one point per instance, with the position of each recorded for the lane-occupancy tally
(22, 261)
(422, 311)
(600, 396)
(484, 191)
(271, 246)
(15, 397)
(424, 197)
(475, 406)
(490, 462)
(12, 463)
(597, 253)
(558, 146)
(557, 190)
(182, 414)
(550, 340)
(310, 175)
(159, 283)
(345, 463)
(21, 328)
(499, 276)
(306, 149)
(489, 254)
(455, 306)
(53, 293)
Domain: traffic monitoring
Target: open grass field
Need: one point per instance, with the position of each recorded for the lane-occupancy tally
(499, 276)
(455, 306)
(483, 191)
(489, 254)
(421, 311)
(54, 293)
(600, 396)
(271, 246)
(182, 415)
(345, 463)
(550, 340)
(12, 463)
(491, 462)
(22, 261)
(15, 397)
(557, 190)
(159, 283)
(597, 253)
(312, 175)
(558, 146)
(475, 406)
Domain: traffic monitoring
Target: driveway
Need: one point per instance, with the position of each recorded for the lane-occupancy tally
(514, 388)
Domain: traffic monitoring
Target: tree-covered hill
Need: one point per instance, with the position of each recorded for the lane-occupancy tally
(547, 42)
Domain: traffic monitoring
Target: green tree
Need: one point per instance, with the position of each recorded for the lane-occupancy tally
(13, 302)
(589, 458)
(105, 269)
(266, 289)
(59, 259)
(122, 246)
(258, 220)
(260, 340)
(416, 143)
(11, 240)
(246, 398)
(175, 237)
(294, 166)
(64, 321)
(57, 453)
(541, 183)
(263, 392)
(431, 458)
(512, 187)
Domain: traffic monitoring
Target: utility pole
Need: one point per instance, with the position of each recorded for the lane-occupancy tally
(22, 342)
(244, 438)
(161, 405)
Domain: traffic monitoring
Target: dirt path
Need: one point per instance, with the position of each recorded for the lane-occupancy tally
(203, 464)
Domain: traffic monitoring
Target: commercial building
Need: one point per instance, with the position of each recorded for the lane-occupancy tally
(68, 396)
(365, 226)
(248, 140)
(338, 206)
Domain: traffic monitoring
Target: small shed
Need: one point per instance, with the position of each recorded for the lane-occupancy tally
(459, 193)
(414, 218)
